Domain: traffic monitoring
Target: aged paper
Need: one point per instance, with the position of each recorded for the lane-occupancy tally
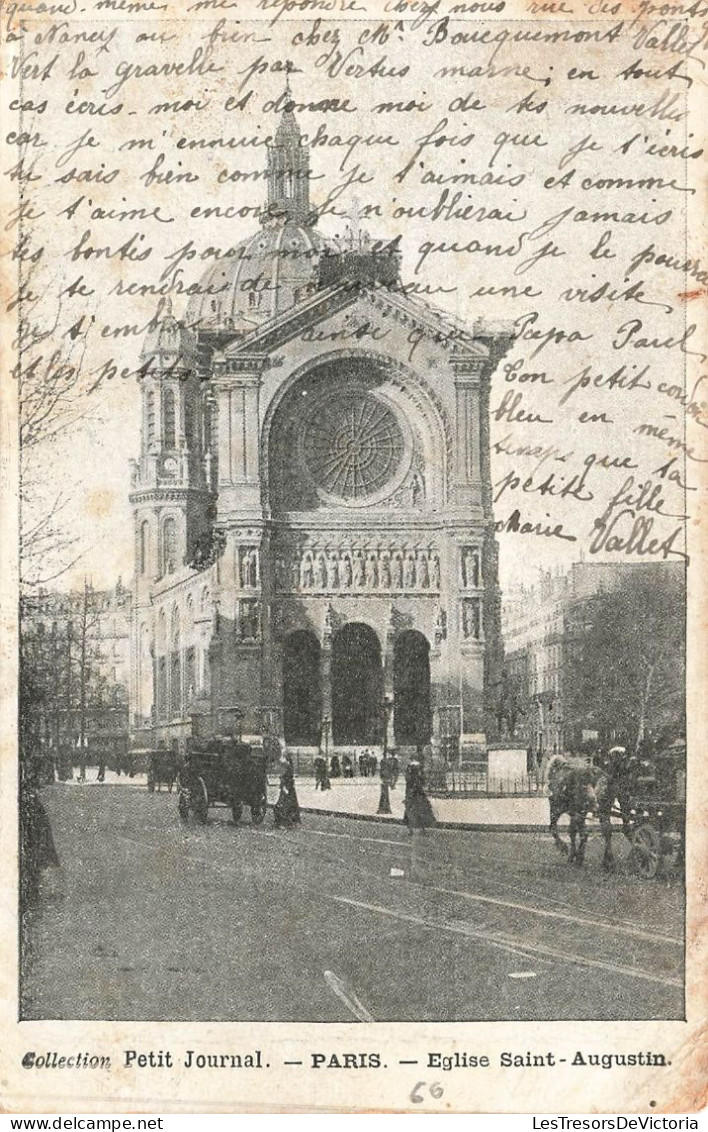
(354, 401)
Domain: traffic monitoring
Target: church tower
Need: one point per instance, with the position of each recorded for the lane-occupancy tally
(171, 493)
(288, 172)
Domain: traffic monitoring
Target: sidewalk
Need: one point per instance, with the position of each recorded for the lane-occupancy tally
(359, 798)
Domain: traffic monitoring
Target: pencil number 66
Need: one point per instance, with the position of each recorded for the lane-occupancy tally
(422, 1089)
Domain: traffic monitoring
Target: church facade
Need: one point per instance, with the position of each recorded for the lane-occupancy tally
(315, 549)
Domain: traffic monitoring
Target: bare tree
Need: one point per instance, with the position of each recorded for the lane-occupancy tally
(626, 675)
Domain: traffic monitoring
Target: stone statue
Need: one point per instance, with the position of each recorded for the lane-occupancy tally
(410, 573)
(333, 571)
(249, 620)
(435, 572)
(321, 572)
(423, 574)
(372, 572)
(417, 490)
(385, 572)
(397, 572)
(308, 573)
(358, 569)
(470, 620)
(296, 574)
(252, 568)
(346, 572)
(470, 568)
(441, 627)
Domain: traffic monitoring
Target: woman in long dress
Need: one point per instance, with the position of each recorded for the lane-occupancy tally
(286, 810)
(418, 814)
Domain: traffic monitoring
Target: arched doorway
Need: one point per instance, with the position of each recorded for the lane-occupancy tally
(357, 686)
(302, 697)
(412, 720)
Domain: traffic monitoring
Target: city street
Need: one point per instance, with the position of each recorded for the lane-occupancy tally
(152, 919)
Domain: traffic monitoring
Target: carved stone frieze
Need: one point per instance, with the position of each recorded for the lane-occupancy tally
(364, 568)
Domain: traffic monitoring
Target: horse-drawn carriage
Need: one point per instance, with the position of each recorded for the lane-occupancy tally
(222, 771)
(648, 794)
(162, 769)
(657, 816)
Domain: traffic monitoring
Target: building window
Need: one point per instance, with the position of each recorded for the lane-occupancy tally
(168, 419)
(161, 688)
(169, 546)
(175, 684)
(190, 672)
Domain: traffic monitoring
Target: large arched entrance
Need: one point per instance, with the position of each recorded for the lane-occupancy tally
(357, 686)
(302, 697)
(412, 719)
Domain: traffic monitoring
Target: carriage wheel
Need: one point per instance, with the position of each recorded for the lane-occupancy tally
(183, 804)
(236, 810)
(258, 812)
(200, 801)
(646, 851)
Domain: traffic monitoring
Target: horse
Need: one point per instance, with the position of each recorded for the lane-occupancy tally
(572, 790)
(579, 789)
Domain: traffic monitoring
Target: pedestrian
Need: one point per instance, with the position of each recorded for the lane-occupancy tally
(347, 769)
(82, 749)
(321, 777)
(418, 813)
(101, 760)
(335, 769)
(393, 770)
(286, 810)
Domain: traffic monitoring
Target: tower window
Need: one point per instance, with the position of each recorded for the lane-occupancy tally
(169, 546)
(189, 421)
(168, 419)
(150, 417)
(289, 185)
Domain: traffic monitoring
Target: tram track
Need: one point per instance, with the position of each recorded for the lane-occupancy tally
(509, 943)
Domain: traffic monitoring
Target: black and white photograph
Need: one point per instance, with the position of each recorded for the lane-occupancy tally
(356, 363)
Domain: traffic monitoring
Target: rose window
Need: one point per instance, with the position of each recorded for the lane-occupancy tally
(353, 446)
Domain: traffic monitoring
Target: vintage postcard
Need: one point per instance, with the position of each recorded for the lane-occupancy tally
(354, 410)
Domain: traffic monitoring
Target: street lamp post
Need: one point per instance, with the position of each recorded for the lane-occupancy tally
(384, 797)
(326, 728)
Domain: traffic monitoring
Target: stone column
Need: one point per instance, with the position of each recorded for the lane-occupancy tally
(468, 437)
(326, 675)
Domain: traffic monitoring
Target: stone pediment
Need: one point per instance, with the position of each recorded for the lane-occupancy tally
(436, 326)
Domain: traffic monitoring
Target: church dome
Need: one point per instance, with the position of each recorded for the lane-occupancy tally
(279, 265)
(168, 341)
(267, 273)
